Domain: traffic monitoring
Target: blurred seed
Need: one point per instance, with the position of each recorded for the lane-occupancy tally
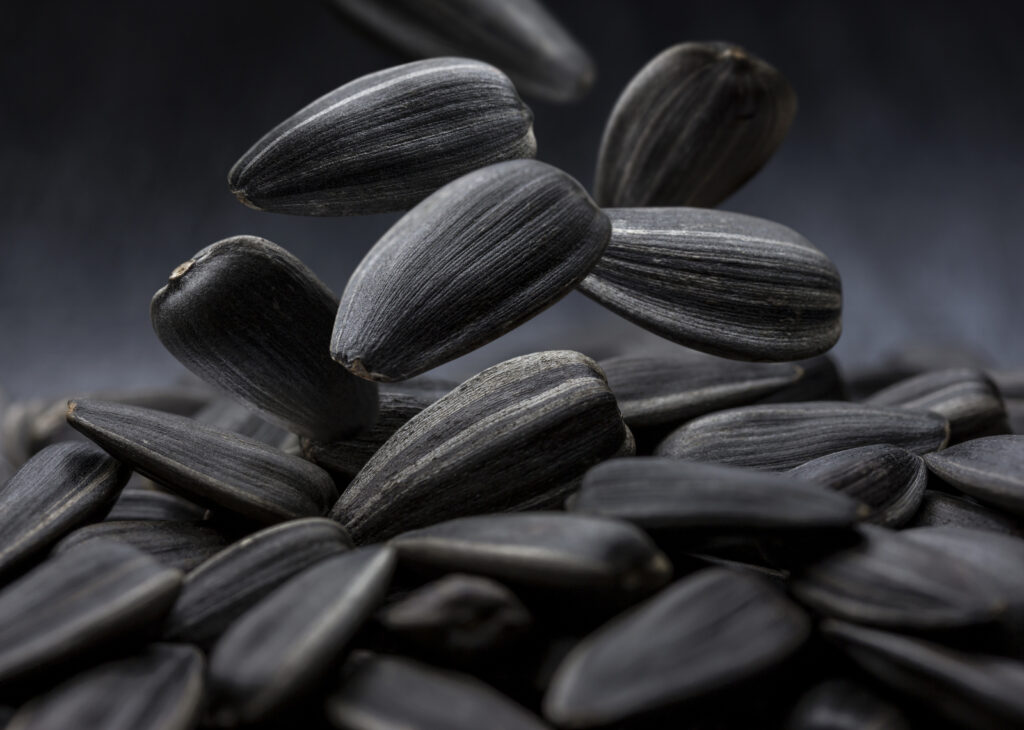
(488, 446)
(702, 634)
(518, 36)
(284, 644)
(699, 500)
(966, 397)
(76, 603)
(990, 469)
(782, 436)
(247, 316)
(1015, 415)
(548, 549)
(213, 467)
(691, 127)
(476, 259)
(386, 140)
(890, 480)
(893, 582)
(840, 704)
(161, 687)
(230, 415)
(941, 509)
(977, 690)
(221, 589)
(723, 283)
(1009, 382)
(60, 488)
(136, 503)
(181, 545)
(820, 381)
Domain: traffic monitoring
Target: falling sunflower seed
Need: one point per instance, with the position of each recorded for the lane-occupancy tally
(990, 469)
(247, 316)
(692, 126)
(136, 503)
(214, 467)
(176, 544)
(487, 446)
(841, 704)
(939, 509)
(782, 436)
(723, 283)
(386, 140)
(890, 480)
(477, 258)
(62, 487)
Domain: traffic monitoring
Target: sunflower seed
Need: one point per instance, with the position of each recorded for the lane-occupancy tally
(181, 545)
(967, 398)
(786, 435)
(891, 581)
(247, 316)
(283, 644)
(941, 509)
(458, 615)
(76, 602)
(229, 415)
(723, 283)
(386, 140)
(213, 467)
(704, 633)
(820, 381)
(160, 687)
(60, 488)
(655, 390)
(890, 480)
(221, 589)
(136, 503)
(974, 689)
(477, 258)
(990, 469)
(487, 446)
(519, 36)
(548, 549)
(692, 126)
(840, 704)
(709, 499)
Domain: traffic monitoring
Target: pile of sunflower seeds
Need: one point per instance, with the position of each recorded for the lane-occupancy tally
(312, 534)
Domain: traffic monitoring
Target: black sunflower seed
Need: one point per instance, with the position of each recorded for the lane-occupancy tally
(247, 316)
(176, 544)
(487, 446)
(841, 704)
(62, 487)
(137, 503)
(941, 509)
(692, 126)
(161, 687)
(477, 258)
(723, 283)
(990, 469)
(890, 480)
(703, 633)
(386, 140)
(785, 435)
(283, 645)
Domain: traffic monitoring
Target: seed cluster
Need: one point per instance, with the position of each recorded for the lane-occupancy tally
(323, 539)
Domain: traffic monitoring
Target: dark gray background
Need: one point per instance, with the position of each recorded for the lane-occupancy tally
(120, 119)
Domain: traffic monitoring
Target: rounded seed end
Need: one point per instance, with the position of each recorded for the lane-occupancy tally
(182, 269)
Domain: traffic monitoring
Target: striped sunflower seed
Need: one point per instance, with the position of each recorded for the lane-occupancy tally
(786, 435)
(893, 582)
(477, 258)
(487, 446)
(704, 633)
(285, 643)
(213, 467)
(518, 36)
(890, 480)
(841, 704)
(161, 687)
(181, 545)
(967, 398)
(691, 127)
(702, 500)
(723, 283)
(391, 692)
(939, 509)
(137, 503)
(974, 689)
(247, 316)
(222, 588)
(386, 140)
(62, 487)
(990, 469)
(75, 603)
(544, 549)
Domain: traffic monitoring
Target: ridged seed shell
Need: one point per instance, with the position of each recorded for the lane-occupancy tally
(181, 545)
(990, 469)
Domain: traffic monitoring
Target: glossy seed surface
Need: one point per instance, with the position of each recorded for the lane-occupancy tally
(181, 545)
(990, 469)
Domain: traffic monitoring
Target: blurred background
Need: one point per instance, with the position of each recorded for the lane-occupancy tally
(119, 121)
